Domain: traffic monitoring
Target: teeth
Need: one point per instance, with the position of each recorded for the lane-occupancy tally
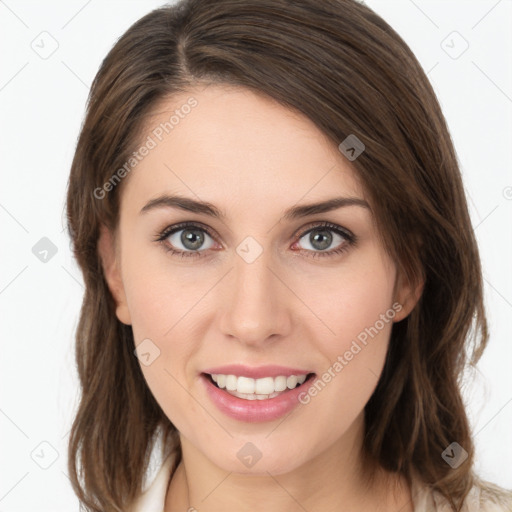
(231, 383)
(257, 389)
(280, 383)
(291, 381)
(263, 386)
(245, 385)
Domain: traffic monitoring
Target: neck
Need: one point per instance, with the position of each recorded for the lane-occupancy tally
(334, 480)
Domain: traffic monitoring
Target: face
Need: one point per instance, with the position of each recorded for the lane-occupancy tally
(253, 280)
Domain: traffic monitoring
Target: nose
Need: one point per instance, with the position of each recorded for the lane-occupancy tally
(255, 302)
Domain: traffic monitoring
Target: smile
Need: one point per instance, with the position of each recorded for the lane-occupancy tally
(255, 394)
(257, 389)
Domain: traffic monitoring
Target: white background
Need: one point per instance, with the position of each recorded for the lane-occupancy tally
(42, 103)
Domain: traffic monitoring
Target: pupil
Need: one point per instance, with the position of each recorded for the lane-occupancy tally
(321, 240)
(192, 239)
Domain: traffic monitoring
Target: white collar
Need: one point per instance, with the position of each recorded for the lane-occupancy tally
(153, 498)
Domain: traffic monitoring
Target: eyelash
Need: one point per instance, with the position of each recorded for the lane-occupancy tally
(350, 239)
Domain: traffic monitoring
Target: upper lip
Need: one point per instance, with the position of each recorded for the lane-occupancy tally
(255, 372)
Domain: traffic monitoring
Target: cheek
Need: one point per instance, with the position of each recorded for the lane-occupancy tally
(159, 325)
(357, 306)
(363, 312)
(354, 358)
(162, 305)
(161, 313)
(354, 301)
(156, 295)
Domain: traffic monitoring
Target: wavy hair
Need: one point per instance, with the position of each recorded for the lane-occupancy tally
(341, 65)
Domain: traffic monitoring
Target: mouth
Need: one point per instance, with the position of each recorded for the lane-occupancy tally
(264, 388)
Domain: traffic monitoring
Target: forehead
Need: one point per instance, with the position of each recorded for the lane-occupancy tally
(229, 145)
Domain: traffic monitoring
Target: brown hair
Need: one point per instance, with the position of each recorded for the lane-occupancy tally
(346, 69)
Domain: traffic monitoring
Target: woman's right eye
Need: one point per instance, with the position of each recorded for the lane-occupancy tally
(186, 240)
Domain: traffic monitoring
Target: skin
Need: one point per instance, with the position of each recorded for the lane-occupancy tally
(253, 159)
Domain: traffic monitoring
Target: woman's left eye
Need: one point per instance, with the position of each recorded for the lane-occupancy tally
(192, 239)
(320, 238)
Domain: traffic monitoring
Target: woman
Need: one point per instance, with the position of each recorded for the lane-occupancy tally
(281, 273)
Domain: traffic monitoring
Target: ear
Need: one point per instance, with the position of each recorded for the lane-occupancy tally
(111, 270)
(407, 294)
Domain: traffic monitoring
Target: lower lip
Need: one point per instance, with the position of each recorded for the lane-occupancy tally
(254, 411)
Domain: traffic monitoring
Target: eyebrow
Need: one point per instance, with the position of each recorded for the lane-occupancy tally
(295, 212)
